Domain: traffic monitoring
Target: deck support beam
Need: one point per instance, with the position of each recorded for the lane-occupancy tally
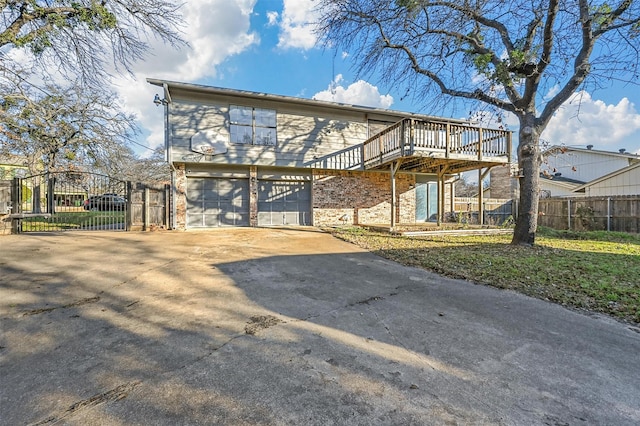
(481, 176)
(441, 201)
(393, 168)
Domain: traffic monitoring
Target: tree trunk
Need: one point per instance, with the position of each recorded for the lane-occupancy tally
(529, 160)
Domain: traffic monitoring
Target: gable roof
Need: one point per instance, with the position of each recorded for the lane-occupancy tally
(554, 178)
(609, 176)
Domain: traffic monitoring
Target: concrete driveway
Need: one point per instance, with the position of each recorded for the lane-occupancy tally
(281, 326)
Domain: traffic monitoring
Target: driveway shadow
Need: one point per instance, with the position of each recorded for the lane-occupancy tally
(276, 326)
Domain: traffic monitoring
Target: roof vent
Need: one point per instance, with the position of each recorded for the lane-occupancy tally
(589, 147)
(622, 150)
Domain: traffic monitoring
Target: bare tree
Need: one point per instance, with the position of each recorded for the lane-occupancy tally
(123, 162)
(525, 57)
(86, 37)
(53, 126)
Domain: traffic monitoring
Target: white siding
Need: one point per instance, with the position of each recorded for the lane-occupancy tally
(588, 165)
(555, 190)
(626, 183)
(306, 137)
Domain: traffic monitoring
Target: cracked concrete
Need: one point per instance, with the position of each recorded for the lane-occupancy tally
(287, 326)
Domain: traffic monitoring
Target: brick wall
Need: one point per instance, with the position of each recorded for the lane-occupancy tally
(360, 198)
(181, 197)
(502, 184)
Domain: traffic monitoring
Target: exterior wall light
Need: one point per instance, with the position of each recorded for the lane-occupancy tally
(159, 101)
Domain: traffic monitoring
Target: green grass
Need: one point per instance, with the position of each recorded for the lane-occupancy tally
(72, 220)
(594, 271)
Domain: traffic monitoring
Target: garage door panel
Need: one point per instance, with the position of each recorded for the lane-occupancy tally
(227, 206)
(292, 206)
(230, 219)
(227, 188)
(210, 220)
(264, 218)
(284, 203)
(194, 221)
(196, 208)
(209, 185)
(194, 194)
(212, 207)
(215, 202)
(241, 204)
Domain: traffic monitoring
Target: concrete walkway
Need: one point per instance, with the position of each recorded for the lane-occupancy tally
(287, 327)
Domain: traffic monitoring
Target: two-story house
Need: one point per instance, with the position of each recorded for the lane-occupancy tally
(242, 158)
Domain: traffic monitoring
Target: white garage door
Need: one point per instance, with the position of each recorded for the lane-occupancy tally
(284, 203)
(216, 202)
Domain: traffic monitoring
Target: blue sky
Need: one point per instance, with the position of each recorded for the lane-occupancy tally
(268, 46)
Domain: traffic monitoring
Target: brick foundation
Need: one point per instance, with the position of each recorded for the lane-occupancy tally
(181, 197)
(343, 198)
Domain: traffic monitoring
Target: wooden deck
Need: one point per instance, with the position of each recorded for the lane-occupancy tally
(436, 147)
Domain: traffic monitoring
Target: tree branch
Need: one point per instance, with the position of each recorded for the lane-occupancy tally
(581, 67)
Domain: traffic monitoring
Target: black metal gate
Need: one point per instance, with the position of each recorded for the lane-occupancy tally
(68, 201)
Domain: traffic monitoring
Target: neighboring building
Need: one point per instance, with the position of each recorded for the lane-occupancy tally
(625, 181)
(569, 171)
(242, 158)
(558, 186)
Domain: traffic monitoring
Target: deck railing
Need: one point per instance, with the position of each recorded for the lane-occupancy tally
(409, 136)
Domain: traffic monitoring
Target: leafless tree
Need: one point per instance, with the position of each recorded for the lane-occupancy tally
(87, 37)
(53, 127)
(525, 57)
(125, 164)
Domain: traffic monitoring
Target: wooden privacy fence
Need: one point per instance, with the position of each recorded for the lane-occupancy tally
(619, 213)
(149, 207)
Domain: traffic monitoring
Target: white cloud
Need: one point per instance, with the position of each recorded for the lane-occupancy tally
(296, 25)
(583, 120)
(215, 30)
(552, 92)
(358, 93)
(272, 18)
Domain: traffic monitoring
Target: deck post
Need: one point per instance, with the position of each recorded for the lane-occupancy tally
(447, 141)
(479, 143)
(480, 198)
(412, 142)
(402, 138)
(394, 168)
(440, 196)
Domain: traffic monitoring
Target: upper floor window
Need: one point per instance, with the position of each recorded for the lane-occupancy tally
(254, 126)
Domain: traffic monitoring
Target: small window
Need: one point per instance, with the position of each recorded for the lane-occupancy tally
(252, 126)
